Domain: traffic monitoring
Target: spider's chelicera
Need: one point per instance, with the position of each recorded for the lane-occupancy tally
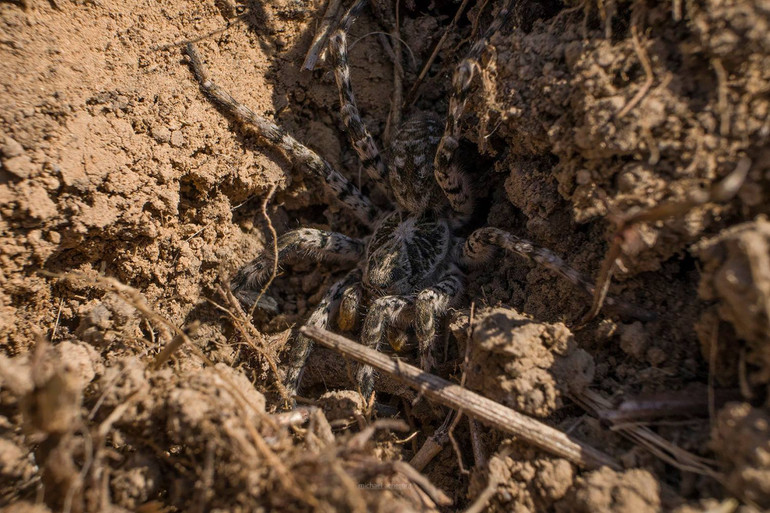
(411, 268)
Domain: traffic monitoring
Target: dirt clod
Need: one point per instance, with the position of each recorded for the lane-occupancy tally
(740, 439)
(617, 492)
(527, 365)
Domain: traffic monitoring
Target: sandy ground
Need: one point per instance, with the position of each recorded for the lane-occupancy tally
(127, 200)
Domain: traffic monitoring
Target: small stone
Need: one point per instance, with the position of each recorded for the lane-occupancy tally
(161, 134)
(11, 148)
(583, 177)
(656, 356)
(54, 237)
(177, 139)
(20, 166)
(634, 340)
(626, 181)
(37, 202)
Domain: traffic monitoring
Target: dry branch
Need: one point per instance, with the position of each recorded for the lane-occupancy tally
(485, 410)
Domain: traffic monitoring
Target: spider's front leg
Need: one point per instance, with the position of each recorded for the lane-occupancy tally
(457, 186)
(305, 243)
(360, 138)
(479, 249)
(321, 316)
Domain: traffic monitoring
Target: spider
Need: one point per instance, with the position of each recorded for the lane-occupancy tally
(412, 267)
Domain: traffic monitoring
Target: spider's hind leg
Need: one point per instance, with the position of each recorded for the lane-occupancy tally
(305, 243)
(341, 187)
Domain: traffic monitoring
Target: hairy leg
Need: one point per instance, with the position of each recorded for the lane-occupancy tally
(383, 313)
(341, 187)
(430, 304)
(359, 135)
(455, 184)
(478, 249)
(301, 347)
(305, 243)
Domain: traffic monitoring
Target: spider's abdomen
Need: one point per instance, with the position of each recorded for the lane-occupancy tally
(411, 164)
(405, 252)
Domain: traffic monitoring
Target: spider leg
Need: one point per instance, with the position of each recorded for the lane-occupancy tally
(456, 185)
(430, 304)
(359, 135)
(306, 243)
(343, 189)
(301, 347)
(383, 312)
(477, 250)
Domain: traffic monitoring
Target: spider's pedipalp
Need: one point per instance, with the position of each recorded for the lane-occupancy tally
(349, 307)
(343, 189)
(430, 304)
(301, 347)
(383, 312)
(307, 243)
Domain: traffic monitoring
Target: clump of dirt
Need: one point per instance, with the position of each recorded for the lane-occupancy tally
(742, 442)
(608, 490)
(527, 480)
(209, 414)
(521, 363)
(736, 276)
(632, 118)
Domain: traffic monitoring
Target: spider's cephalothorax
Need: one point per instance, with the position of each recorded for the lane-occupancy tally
(409, 270)
(410, 173)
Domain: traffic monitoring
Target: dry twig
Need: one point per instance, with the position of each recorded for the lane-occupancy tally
(626, 233)
(474, 405)
(594, 402)
(649, 76)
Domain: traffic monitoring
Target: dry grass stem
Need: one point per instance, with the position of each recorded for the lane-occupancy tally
(274, 235)
(673, 455)
(411, 97)
(318, 47)
(649, 76)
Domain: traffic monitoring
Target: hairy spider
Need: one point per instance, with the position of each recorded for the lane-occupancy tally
(411, 268)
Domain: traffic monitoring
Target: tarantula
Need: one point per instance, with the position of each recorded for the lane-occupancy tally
(411, 268)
